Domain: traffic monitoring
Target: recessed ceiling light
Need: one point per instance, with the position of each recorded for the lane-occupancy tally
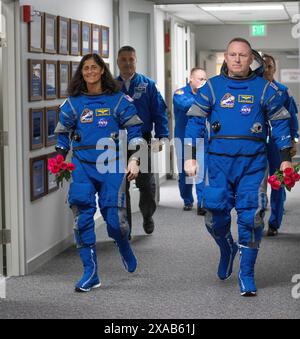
(243, 8)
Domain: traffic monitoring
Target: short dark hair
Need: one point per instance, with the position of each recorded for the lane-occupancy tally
(78, 85)
(126, 49)
(197, 69)
(238, 39)
(268, 56)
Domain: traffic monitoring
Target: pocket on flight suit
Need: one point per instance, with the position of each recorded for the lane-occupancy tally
(81, 194)
(215, 198)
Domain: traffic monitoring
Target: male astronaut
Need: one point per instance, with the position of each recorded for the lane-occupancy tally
(278, 197)
(152, 110)
(182, 100)
(238, 103)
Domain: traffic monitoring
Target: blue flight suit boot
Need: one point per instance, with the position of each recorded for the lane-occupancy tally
(90, 277)
(228, 251)
(246, 275)
(128, 258)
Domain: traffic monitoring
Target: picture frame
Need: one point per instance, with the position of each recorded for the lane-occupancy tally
(50, 33)
(51, 121)
(50, 89)
(104, 42)
(35, 34)
(75, 37)
(63, 33)
(35, 80)
(96, 47)
(86, 38)
(63, 78)
(38, 177)
(52, 185)
(36, 127)
(73, 68)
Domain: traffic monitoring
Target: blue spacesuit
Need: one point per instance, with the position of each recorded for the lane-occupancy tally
(183, 99)
(88, 119)
(152, 110)
(238, 110)
(278, 197)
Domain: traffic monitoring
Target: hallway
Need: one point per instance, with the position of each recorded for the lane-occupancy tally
(176, 276)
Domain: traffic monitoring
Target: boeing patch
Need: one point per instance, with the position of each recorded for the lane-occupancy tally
(228, 101)
(246, 99)
(179, 92)
(103, 112)
(87, 116)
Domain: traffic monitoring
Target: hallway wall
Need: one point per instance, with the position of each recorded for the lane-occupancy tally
(48, 221)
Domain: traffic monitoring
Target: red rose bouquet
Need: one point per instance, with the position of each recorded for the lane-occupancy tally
(61, 169)
(286, 178)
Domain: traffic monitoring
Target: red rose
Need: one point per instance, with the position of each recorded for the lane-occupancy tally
(60, 159)
(289, 171)
(63, 166)
(52, 162)
(272, 178)
(55, 169)
(296, 177)
(276, 185)
(71, 167)
(289, 181)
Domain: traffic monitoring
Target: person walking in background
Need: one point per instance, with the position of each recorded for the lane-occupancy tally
(182, 100)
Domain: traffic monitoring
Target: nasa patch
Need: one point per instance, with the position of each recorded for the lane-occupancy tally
(228, 101)
(87, 116)
(102, 123)
(246, 110)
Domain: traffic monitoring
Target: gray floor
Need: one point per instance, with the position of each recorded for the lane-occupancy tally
(176, 276)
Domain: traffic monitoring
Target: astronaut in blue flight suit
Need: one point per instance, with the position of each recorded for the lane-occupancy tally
(95, 113)
(182, 100)
(152, 110)
(238, 103)
(278, 197)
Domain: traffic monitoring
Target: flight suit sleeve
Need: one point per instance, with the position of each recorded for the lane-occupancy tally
(279, 118)
(159, 113)
(181, 101)
(197, 114)
(294, 124)
(66, 125)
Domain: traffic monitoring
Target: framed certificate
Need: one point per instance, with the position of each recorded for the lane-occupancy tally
(63, 31)
(75, 37)
(50, 34)
(51, 120)
(63, 78)
(50, 80)
(36, 123)
(104, 42)
(35, 35)
(74, 66)
(52, 185)
(38, 173)
(96, 29)
(86, 40)
(35, 80)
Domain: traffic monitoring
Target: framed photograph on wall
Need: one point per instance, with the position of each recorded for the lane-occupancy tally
(36, 126)
(104, 42)
(74, 66)
(52, 185)
(38, 177)
(63, 31)
(96, 29)
(75, 37)
(50, 34)
(51, 120)
(35, 35)
(50, 80)
(63, 78)
(35, 80)
(86, 38)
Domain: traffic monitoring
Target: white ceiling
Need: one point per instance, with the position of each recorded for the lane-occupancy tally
(195, 13)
